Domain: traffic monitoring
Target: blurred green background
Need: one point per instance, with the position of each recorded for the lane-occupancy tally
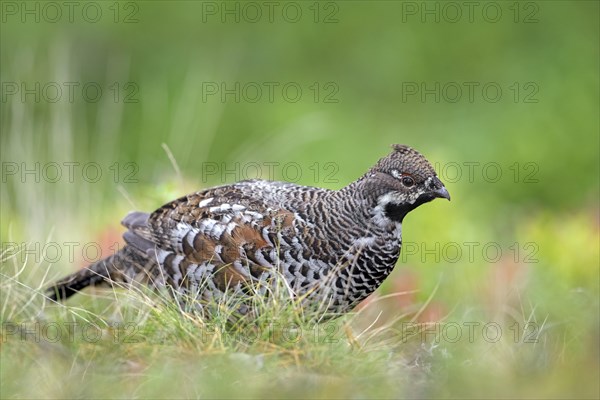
(509, 88)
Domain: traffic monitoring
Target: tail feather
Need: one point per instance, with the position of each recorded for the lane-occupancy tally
(123, 266)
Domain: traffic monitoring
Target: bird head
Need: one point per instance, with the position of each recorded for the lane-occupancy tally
(402, 181)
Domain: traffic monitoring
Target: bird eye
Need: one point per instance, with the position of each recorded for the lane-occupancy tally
(408, 181)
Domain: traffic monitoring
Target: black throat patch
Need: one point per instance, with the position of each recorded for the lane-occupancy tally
(396, 212)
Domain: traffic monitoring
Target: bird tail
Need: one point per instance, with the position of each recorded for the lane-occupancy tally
(121, 267)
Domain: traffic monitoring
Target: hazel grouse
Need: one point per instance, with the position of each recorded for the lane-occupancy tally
(331, 247)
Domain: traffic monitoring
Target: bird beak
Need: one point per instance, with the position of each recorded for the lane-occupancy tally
(437, 189)
(442, 193)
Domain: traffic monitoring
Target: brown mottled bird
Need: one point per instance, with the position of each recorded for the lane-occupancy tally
(331, 247)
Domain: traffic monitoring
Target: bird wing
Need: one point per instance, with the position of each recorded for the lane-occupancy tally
(237, 234)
